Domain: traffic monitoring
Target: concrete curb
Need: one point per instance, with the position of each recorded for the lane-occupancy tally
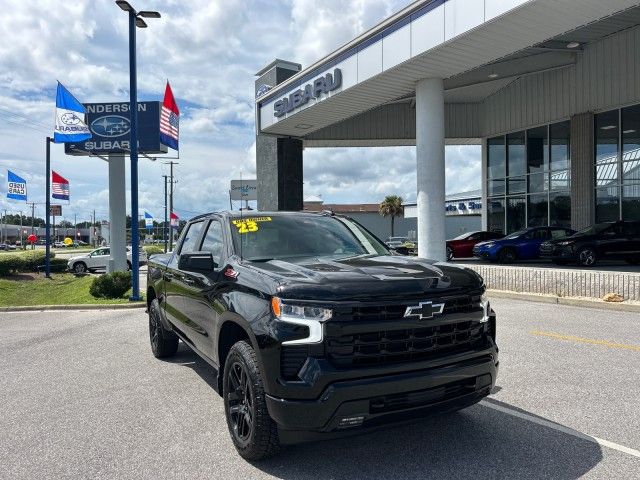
(91, 306)
(569, 301)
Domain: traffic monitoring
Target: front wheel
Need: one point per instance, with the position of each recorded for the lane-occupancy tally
(79, 267)
(507, 255)
(449, 254)
(252, 430)
(587, 257)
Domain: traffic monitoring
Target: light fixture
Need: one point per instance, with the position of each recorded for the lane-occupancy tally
(573, 44)
(149, 14)
(631, 130)
(493, 75)
(608, 127)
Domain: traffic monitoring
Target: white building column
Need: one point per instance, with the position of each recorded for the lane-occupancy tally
(118, 214)
(430, 168)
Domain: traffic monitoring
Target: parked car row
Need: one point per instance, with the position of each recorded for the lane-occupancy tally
(609, 240)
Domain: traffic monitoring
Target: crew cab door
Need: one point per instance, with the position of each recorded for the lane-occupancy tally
(177, 285)
(200, 299)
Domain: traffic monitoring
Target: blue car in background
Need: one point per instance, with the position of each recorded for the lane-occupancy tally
(521, 245)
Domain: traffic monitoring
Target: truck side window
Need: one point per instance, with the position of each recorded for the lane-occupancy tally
(191, 237)
(213, 241)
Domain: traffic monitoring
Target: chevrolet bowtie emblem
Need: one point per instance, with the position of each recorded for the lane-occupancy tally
(424, 310)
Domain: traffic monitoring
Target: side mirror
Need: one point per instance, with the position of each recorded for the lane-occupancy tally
(201, 262)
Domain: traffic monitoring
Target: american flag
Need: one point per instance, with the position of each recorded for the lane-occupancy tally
(60, 186)
(169, 120)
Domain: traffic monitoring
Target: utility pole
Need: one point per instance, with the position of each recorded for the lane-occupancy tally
(6, 227)
(171, 164)
(75, 227)
(21, 242)
(93, 231)
(164, 225)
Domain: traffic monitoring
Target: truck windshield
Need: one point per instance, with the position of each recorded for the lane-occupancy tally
(289, 236)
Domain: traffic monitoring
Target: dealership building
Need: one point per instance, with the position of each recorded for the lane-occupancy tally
(549, 88)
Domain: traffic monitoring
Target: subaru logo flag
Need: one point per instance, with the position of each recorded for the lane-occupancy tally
(148, 221)
(16, 187)
(70, 125)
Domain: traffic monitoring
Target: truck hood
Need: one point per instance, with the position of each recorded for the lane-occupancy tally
(369, 277)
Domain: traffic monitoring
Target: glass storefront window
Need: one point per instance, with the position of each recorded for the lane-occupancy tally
(537, 150)
(496, 158)
(495, 215)
(631, 202)
(560, 138)
(538, 182)
(607, 204)
(560, 180)
(516, 159)
(516, 214)
(538, 210)
(496, 187)
(517, 185)
(606, 137)
(630, 132)
(560, 209)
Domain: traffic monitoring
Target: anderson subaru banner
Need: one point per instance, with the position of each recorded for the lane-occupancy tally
(110, 126)
(16, 187)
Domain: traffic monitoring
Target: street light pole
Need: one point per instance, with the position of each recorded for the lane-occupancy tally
(135, 20)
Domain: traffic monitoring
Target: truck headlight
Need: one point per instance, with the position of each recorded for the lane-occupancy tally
(310, 317)
(486, 309)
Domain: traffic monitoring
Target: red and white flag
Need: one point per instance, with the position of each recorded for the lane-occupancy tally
(175, 221)
(60, 186)
(169, 120)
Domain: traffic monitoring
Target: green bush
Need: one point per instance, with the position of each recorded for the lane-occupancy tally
(152, 249)
(18, 262)
(111, 285)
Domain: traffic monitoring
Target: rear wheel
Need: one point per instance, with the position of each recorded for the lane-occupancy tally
(164, 343)
(587, 257)
(449, 254)
(507, 255)
(252, 430)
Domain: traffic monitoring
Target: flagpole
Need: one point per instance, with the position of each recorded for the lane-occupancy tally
(133, 109)
(47, 265)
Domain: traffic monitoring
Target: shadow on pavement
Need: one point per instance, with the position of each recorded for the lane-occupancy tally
(479, 442)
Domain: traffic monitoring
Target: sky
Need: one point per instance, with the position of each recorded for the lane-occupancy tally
(209, 51)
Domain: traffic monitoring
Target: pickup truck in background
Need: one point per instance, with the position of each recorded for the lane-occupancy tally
(313, 328)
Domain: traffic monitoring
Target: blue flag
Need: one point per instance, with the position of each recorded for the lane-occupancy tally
(148, 221)
(70, 126)
(16, 187)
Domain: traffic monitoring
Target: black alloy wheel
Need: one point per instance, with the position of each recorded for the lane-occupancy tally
(449, 254)
(79, 267)
(253, 431)
(587, 257)
(507, 255)
(164, 343)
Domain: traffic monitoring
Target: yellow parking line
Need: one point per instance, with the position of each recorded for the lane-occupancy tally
(571, 338)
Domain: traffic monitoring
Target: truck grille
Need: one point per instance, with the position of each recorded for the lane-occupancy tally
(395, 346)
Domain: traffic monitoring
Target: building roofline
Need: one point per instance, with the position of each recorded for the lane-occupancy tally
(282, 63)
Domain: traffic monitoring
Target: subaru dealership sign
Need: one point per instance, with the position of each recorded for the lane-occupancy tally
(110, 125)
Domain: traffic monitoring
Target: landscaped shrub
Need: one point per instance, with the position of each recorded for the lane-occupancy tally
(152, 249)
(111, 285)
(18, 262)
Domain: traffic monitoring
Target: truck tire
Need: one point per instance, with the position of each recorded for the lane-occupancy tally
(164, 343)
(252, 430)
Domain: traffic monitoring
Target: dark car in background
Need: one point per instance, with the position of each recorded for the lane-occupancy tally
(613, 240)
(462, 245)
(520, 245)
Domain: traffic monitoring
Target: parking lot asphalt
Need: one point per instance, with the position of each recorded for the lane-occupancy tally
(82, 397)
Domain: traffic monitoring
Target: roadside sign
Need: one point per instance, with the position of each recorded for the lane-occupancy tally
(55, 210)
(244, 190)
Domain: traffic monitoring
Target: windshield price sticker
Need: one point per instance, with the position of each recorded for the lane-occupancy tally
(249, 224)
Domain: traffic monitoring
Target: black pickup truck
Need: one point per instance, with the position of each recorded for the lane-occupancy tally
(314, 328)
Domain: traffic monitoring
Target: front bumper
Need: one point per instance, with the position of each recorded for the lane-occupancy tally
(355, 405)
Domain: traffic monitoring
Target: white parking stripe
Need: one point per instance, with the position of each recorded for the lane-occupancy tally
(562, 428)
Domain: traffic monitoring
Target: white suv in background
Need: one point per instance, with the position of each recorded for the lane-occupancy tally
(98, 260)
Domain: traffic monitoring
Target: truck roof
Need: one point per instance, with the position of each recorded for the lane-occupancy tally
(254, 213)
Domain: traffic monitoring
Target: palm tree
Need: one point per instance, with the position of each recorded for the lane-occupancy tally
(391, 206)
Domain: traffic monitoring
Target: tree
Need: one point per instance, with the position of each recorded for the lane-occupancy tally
(391, 206)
